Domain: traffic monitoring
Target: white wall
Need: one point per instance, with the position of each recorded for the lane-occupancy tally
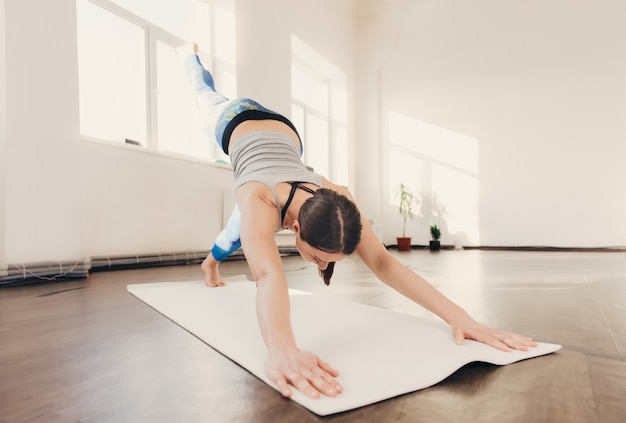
(264, 50)
(541, 86)
(264, 42)
(136, 202)
(3, 125)
(42, 191)
(65, 198)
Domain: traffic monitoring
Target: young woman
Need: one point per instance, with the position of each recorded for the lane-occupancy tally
(274, 190)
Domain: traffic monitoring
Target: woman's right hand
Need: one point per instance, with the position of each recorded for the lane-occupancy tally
(303, 370)
(286, 364)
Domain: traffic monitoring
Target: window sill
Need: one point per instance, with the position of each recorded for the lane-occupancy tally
(168, 154)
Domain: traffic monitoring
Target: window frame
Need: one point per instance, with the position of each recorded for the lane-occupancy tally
(152, 36)
(333, 125)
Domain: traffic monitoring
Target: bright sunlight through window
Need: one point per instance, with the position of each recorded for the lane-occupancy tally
(442, 166)
(319, 111)
(132, 83)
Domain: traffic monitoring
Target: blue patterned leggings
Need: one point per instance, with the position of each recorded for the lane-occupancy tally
(216, 110)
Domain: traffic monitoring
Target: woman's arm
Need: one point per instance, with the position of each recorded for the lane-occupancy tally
(393, 273)
(286, 363)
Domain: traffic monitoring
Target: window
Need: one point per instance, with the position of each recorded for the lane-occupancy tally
(319, 111)
(131, 82)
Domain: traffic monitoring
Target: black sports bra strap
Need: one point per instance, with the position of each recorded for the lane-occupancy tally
(304, 187)
(294, 187)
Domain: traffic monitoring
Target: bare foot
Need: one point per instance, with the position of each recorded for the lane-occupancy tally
(211, 275)
(188, 49)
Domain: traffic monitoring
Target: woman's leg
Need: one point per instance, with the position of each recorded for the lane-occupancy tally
(202, 85)
(216, 110)
(212, 276)
(226, 243)
(211, 104)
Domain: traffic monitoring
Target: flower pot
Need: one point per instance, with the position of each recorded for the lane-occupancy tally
(404, 243)
(435, 245)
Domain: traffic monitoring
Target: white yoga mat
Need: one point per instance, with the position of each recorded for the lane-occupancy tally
(380, 353)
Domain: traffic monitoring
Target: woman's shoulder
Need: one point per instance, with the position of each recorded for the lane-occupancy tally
(255, 193)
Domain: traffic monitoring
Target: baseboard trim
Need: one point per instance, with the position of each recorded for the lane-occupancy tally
(48, 271)
(41, 272)
(523, 248)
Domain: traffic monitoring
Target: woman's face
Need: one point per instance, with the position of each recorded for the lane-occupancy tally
(313, 255)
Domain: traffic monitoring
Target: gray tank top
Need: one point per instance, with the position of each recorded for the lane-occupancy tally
(269, 158)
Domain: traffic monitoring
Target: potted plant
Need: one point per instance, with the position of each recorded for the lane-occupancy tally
(435, 234)
(408, 205)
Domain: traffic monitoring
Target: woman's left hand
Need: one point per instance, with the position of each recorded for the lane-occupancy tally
(468, 328)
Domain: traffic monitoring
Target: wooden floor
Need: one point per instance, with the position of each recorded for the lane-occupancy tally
(88, 351)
